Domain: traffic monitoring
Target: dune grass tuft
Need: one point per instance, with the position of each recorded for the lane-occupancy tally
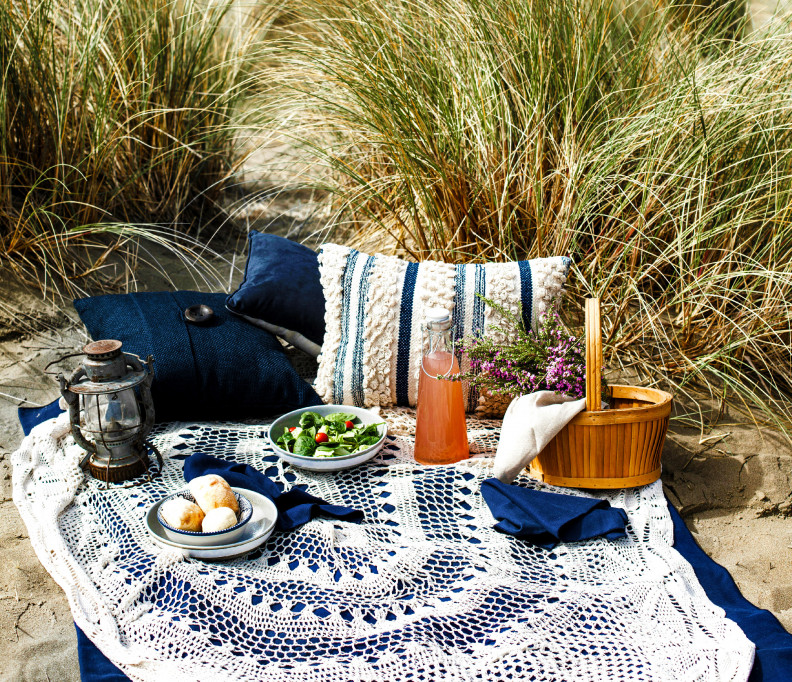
(115, 113)
(651, 143)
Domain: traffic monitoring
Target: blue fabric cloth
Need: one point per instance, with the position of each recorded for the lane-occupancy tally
(773, 662)
(227, 369)
(94, 665)
(33, 416)
(281, 286)
(295, 507)
(546, 519)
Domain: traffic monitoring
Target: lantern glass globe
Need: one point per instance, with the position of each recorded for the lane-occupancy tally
(111, 414)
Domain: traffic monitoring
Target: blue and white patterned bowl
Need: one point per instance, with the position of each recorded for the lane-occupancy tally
(218, 537)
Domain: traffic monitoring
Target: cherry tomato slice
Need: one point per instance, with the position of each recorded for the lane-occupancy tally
(291, 428)
(349, 425)
(321, 438)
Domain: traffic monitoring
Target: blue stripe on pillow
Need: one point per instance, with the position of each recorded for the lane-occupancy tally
(338, 378)
(479, 289)
(405, 325)
(357, 357)
(526, 292)
(478, 304)
(460, 296)
(459, 302)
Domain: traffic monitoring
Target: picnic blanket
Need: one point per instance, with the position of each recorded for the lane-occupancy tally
(423, 589)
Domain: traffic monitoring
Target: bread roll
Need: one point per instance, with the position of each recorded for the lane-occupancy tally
(219, 518)
(212, 491)
(180, 513)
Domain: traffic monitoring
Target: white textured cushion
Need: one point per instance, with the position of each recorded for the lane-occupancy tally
(375, 306)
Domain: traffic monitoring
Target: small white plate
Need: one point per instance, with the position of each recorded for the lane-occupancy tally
(256, 531)
(326, 464)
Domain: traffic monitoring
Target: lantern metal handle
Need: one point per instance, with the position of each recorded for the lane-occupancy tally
(73, 402)
(146, 400)
(60, 359)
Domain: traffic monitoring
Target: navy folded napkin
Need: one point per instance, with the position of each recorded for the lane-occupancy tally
(546, 519)
(295, 507)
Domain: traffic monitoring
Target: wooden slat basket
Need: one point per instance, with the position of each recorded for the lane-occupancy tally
(615, 448)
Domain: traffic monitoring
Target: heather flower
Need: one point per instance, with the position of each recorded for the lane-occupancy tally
(548, 358)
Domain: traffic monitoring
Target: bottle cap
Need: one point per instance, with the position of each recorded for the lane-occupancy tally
(438, 319)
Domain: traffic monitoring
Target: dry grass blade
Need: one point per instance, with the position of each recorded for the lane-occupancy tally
(116, 113)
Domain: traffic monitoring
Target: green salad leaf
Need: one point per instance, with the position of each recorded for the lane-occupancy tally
(304, 445)
(328, 436)
(309, 419)
(341, 417)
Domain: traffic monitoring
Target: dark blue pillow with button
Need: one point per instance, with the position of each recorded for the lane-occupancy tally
(225, 369)
(281, 291)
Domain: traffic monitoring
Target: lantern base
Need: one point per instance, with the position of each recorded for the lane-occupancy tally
(112, 472)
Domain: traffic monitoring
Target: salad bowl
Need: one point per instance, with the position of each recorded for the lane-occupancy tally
(322, 458)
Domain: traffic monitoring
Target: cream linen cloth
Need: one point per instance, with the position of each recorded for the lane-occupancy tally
(530, 423)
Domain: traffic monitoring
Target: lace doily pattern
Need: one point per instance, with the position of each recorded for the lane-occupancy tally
(422, 590)
(376, 306)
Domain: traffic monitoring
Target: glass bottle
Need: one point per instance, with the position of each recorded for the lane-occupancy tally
(440, 429)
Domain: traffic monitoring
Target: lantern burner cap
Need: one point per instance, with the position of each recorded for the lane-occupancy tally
(103, 350)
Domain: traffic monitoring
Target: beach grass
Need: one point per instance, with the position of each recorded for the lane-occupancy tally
(652, 143)
(116, 126)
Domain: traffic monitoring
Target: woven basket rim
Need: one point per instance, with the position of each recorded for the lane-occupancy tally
(661, 406)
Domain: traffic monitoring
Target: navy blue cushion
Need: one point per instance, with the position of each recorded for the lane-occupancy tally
(227, 369)
(281, 286)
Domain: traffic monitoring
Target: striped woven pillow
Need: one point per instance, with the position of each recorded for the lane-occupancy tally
(375, 305)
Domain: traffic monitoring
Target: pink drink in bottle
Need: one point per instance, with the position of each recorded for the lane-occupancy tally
(440, 430)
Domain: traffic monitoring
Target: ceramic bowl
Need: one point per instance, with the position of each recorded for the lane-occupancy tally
(255, 532)
(327, 463)
(218, 537)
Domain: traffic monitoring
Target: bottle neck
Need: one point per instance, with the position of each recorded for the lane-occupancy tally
(438, 341)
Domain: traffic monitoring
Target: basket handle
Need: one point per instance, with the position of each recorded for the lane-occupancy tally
(593, 356)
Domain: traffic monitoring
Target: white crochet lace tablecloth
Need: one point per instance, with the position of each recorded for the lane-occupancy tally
(422, 590)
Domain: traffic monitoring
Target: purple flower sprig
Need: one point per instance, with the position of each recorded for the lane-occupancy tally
(548, 358)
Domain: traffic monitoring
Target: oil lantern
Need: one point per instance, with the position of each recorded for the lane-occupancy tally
(111, 411)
